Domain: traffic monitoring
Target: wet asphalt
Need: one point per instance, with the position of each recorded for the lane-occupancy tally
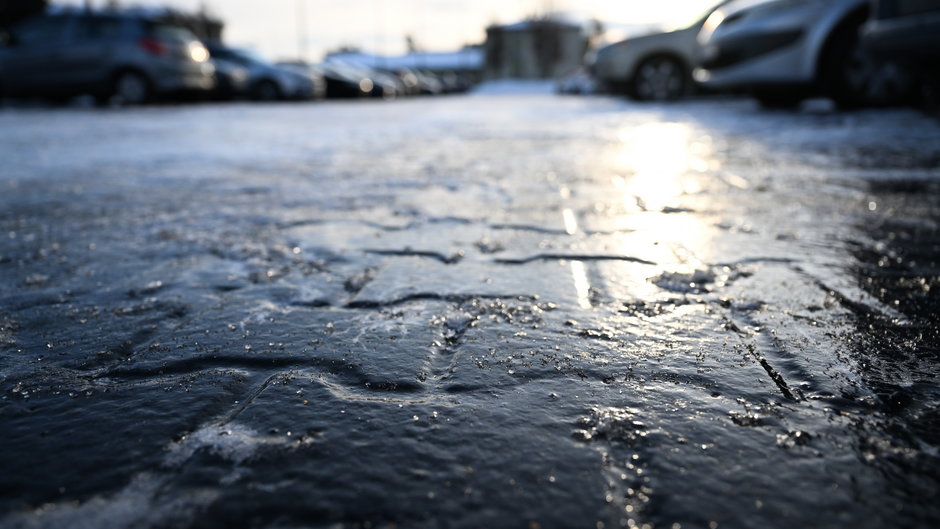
(524, 311)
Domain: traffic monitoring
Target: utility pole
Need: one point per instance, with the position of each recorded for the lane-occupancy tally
(302, 48)
(379, 36)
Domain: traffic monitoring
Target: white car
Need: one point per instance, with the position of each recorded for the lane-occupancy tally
(783, 51)
(655, 67)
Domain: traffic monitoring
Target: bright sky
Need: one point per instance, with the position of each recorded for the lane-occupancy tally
(282, 29)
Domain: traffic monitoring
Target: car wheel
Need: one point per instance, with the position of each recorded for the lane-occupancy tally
(267, 91)
(854, 78)
(659, 79)
(131, 88)
(778, 99)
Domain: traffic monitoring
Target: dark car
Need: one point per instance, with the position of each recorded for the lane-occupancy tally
(266, 81)
(231, 79)
(417, 82)
(908, 32)
(306, 70)
(343, 81)
(111, 56)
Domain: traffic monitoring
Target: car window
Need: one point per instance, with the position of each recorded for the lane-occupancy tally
(249, 56)
(700, 16)
(223, 53)
(97, 28)
(170, 32)
(39, 31)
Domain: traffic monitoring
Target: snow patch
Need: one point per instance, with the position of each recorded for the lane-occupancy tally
(142, 504)
(233, 442)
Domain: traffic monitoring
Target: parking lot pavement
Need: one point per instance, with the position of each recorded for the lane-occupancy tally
(477, 311)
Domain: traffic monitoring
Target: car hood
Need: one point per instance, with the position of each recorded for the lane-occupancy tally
(666, 39)
(667, 36)
(736, 8)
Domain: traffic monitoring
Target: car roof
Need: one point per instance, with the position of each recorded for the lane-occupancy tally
(84, 13)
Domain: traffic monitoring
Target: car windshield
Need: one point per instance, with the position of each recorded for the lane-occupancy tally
(243, 57)
(170, 32)
(94, 28)
(248, 56)
(39, 31)
(700, 15)
(340, 70)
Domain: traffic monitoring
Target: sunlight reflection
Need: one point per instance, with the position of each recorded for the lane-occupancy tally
(659, 155)
(664, 164)
(581, 285)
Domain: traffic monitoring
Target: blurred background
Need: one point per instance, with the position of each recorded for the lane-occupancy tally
(856, 53)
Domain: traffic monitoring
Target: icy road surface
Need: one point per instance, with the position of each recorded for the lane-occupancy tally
(469, 312)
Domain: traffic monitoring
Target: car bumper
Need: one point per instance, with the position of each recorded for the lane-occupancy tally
(193, 77)
(611, 66)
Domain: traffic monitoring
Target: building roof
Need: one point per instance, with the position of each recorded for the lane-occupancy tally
(526, 25)
(465, 59)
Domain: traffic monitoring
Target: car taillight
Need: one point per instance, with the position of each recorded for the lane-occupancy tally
(153, 46)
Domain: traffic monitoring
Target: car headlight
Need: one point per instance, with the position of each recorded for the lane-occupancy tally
(198, 52)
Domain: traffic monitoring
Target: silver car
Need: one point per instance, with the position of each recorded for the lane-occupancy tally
(111, 56)
(783, 51)
(656, 67)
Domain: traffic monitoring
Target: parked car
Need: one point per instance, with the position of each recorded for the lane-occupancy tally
(656, 67)
(387, 86)
(373, 83)
(453, 82)
(344, 82)
(908, 32)
(417, 82)
(306, 70)
(783, 51)
(115, 57)
(266, 81)
(409, 82)
(231, 79)
(428, 83)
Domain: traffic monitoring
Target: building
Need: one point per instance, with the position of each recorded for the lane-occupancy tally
(534, 49)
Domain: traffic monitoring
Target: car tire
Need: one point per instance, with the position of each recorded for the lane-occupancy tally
(778, 99)
(266, 91)
(659, 79)
(131, 88)
(853, 78)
